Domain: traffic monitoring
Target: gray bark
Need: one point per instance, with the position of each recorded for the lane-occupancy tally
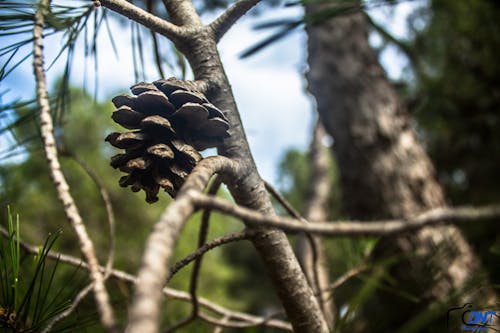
(385, 172)
(200, 48)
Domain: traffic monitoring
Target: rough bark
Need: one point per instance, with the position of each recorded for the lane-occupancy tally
(199, 44)
(273, 246)
(313, 261)
(385, 172)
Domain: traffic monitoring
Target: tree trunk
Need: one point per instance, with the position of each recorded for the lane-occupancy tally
(385, 172)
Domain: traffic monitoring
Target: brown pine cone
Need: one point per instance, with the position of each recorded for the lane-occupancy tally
(169, 124)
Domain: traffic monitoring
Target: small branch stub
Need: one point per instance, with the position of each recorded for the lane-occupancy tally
(170, 123)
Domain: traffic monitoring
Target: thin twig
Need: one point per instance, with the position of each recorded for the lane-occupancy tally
(149, 7)
(202, 239)
(314, 280)
(145, 309)
(345, 277)
(218, 328)
(231, 238)
(125, 8)
(234, 324)
(109, 210)
(49, 143)
(226, 20)
(79, 297)
(284, 202)
(169, 292)
(352, 228)
(250, 319)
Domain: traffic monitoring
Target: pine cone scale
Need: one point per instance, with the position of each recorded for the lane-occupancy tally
(169, 122)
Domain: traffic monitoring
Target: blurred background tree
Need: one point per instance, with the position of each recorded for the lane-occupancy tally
(453, 91)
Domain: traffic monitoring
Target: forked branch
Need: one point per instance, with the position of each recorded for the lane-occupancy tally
(226, 20)
(139, 15)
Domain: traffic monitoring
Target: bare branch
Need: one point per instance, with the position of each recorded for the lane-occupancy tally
(57, 176)
(284, 203)
(226, 20)
(108, 206)
(195, 273)
(79, 297)
(313, 278)
(235, 237)
(347, 276)
(145, 310)
(141, 16)
(169, 292)
(352, 228)
(229, 324)
(218, 328)
(202, 239)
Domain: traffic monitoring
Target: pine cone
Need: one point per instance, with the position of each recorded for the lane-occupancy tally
(169, 124)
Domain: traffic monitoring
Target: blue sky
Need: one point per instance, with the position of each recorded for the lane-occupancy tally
(269, 87)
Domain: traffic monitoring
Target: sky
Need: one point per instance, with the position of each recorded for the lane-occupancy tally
(269, 87)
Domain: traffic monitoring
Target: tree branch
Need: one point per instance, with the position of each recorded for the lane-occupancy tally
(226, 20)
(313, 278)
(345, 277)
(351, 228)
(195, 273)
(153, 22)
(145, 310)
(234, 237)
(108, 206)
(226, 313)
(49, 143)
(169, 292)
(229, 324)
(76, 301)
(284, 203)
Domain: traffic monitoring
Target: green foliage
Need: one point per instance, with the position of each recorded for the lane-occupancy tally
(27, 187)
(29, 297)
